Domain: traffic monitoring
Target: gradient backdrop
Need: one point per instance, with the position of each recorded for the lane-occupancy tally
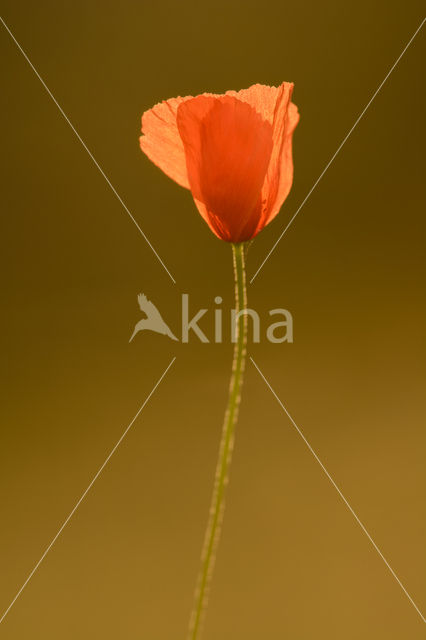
(293, 564)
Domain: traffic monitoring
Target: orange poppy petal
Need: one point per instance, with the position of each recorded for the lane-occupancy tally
(261, 97)
(280, 173)
(161, 140)
(274, 105)
(228, 148)
(272, 180)
(286, 163)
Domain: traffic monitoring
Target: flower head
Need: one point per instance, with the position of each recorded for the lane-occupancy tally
(233, 151)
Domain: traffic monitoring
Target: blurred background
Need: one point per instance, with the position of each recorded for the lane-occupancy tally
(293, 563)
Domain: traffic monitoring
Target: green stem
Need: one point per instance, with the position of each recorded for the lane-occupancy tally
(217, 506)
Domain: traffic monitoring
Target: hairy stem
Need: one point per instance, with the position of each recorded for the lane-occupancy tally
(217, 506)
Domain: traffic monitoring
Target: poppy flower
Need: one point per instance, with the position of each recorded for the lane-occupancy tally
(233, 151)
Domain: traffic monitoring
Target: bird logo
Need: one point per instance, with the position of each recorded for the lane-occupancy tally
(153, 320)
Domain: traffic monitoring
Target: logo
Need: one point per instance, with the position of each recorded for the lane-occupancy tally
(278, 331)
(153, 321)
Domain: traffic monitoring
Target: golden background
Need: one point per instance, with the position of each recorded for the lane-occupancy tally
(293, 563)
